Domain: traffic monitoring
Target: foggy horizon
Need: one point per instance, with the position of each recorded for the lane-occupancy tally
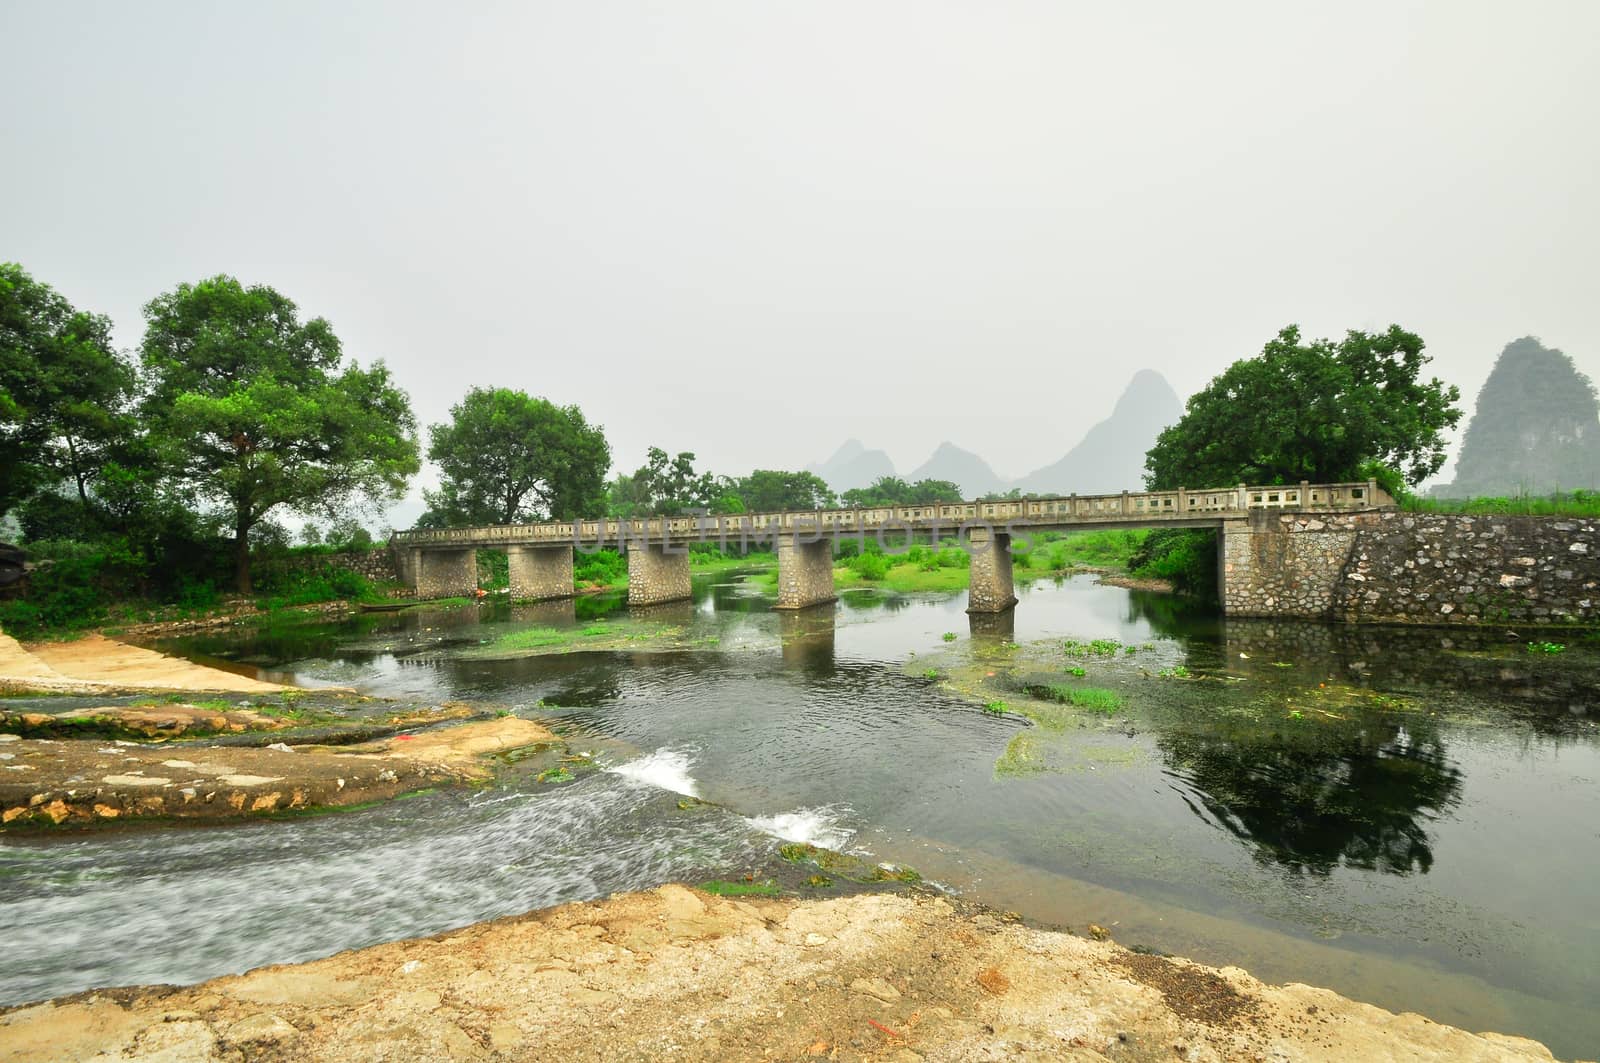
(754, 233)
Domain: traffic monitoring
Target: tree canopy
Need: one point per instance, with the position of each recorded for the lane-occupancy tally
(64, 391)
(506, 457)
(667, 486)
(772, 490)
(1318, 411)
(893, 491)
(1536, 427)
(255, 409)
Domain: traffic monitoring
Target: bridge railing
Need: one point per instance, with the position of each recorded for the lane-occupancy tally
(1143, 506)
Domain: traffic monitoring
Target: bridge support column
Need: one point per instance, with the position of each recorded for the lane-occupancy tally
(805, 573)
(656, 575)
(990, 588)
(445, 573)
(540, 573)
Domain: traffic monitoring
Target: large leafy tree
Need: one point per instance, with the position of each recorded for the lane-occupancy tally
(667, 486)
(893, 491)
(255, 409)
(64, 392)
(506, 457)
(771, 490)
(1321, 411)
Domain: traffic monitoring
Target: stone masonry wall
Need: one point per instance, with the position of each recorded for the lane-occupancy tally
(1414, 568)
(377, 565)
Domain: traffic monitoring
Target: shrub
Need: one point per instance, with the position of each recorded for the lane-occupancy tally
(1187, 558)
(870, 566)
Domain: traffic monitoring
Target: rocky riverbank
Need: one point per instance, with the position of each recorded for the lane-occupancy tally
(674, 973)
(47, 783)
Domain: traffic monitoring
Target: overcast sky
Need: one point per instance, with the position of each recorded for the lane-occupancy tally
(754, 229)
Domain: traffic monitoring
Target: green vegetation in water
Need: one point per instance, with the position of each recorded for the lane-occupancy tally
(1546, 647)
(1177, 671)
(723, 888)
(845, 865)
(1078, 670)
(930, 673)
(1096, 648)
(1095, 699)
(996, 708)
(949, 636)
(560, 773)
(1021, 758)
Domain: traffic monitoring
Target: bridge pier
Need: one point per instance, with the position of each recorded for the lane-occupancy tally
(805, 573)
(444, 573)
(656, 574)
(540, 573)
(990, 587)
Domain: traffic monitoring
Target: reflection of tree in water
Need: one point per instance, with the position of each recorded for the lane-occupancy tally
(1361, 794)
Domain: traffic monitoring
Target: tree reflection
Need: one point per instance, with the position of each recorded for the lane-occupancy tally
(1361, 794)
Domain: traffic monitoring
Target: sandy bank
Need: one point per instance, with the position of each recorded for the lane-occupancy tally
(96, 664)
(678, 974)
(55, 783)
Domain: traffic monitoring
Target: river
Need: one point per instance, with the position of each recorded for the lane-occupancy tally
(1411, 818)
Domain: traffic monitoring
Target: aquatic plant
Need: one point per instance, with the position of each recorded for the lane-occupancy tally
(996, 708)
(949, 636)
(723, 888)
(1546, 647)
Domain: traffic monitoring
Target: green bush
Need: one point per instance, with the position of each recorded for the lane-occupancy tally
(1187, 558)
(602, 566)
(74, 592)
(870, 566)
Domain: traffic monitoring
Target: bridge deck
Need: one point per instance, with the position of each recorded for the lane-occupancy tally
(1181, 508)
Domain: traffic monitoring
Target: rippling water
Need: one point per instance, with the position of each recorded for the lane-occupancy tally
(1411, 818)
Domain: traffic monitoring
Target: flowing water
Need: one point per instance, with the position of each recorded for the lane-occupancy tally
(1409, 817)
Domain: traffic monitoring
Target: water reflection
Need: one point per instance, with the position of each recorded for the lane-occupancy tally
(807, 637)
(1363, 795)
(993, 627)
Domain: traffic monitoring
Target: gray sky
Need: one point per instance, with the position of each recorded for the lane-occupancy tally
(752, 230)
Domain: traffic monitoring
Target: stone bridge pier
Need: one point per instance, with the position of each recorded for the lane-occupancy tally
(656, 574)
(990, 586)
(805, 572)
(440, 572)
(540, 573)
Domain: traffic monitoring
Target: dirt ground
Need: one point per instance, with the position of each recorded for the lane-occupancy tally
(678, 974)
(96, 664)
(82, 782)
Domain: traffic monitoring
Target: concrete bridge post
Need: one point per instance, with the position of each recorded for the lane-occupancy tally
(540, 573)
(657, 574)
(445, 572)
(990, 587)
(805, 572)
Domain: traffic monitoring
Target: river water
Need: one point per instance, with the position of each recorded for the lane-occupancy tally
(1409, 817)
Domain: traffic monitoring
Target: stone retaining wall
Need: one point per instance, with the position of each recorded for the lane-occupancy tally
(377, 565)
(1413, 568)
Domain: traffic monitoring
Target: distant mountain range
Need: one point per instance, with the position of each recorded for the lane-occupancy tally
(1109, 458)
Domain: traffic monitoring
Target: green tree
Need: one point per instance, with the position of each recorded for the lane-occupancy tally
(665, 486)
(506, 457)
(771, 490)
(893, 491)
(1318, 411)
(255, 409)
(64, 392)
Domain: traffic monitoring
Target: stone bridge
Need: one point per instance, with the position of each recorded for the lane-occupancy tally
(439, 563)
